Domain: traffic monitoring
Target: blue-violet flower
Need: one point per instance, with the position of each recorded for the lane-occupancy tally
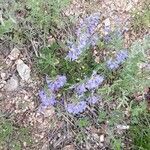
(76, 108)
(94, 82)
(85, 37)
(80, 89)
(56, 84)
(46, 99)
(113, 64)
(121, 56)
(93, 99)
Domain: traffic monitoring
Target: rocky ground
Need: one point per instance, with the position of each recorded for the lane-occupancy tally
(19, 81)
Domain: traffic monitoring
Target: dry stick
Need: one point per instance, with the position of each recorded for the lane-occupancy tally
(53, 32)
(68, 119)
(28, 57)
(1, 19)
(35, 51)
(59, 141)
(67, 114)
(67, 25)
(54, 132)
(94, 114)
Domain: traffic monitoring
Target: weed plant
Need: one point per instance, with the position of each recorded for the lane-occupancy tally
(87, 83)
(84, 92)
(12, 137)
(29, 21)
(141, 18)
(140, 124)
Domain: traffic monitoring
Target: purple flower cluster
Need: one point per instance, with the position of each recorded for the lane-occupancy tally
(80, 107)
(94, 82)
(90, 84)
(76, 108)
(53, 86)
(73, 108)
(93, 99)
(85, 37)
(80, 89)
(121, 56)
(46, 99)
(89, 24)
(58, 83)
(113, 64)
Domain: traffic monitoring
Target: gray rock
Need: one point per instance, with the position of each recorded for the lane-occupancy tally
(1, 96)
(122, 127)
(2, 83)
(12, 84)
(14, 54)
(3, 75)
(107, 22)
(102, 138)
(23, 70)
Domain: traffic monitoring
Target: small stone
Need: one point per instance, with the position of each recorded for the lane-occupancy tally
(51, 40)
(59, 134)
(24, 144)
(95, 136)
(3, 75)
(107, 22)
(97, 59)
(2, 84)
(23, 70)
(14, 54)
(46, 111)
(26, 97)
(129, 7)
(12, 84)
(107, 26)
(8, 62)
(122, 127)
(45, 146)
(88, 146)
(1, 96)
(69, 147)
(102, 138)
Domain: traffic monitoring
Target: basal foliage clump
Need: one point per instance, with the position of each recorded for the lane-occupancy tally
(12, 137)
(141, 17)
(25, 22)
(140, 124)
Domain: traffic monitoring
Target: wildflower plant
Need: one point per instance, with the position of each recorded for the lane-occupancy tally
(31, 21)
(76, 108)
(141, 19)
(121, 56)
(86, 94)
(15, 136)
(87, 86)
(55, 85)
